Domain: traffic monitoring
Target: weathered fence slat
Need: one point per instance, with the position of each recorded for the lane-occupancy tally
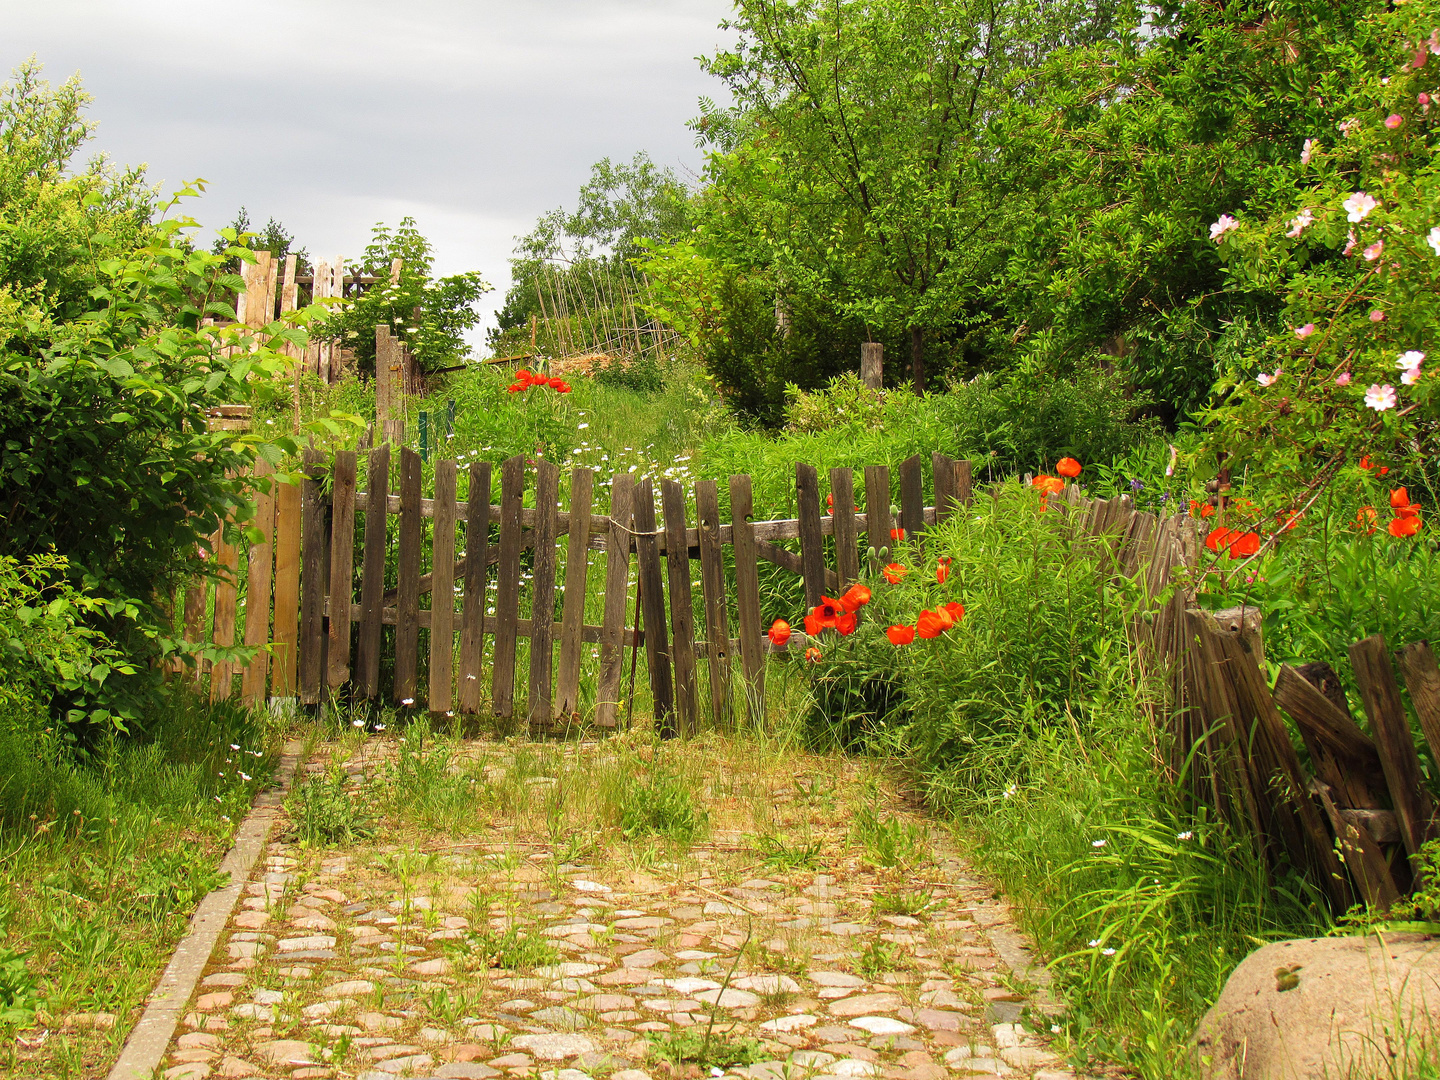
(227, 559)
(942, 469)
(287, 590)
(1381, 696)
(542, 641)
(407, 626)
(442, 595)
(617, 578)
(197, 604)
(712, 588)
(372, 575)
(507, 598)
(747, 597)
(312, 580)
(682, 608)
(1363, 856)
(847, 537)
(912, 499)
(812, 541)
(257, 589)
(477, 560)
(652, 605)
(877, 513)
(572, 618)
(342, 566)
(1343, 756)
(1422, 679)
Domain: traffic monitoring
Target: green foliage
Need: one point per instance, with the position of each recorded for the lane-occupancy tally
(888, 841)
(511, 949)
(705, 1048)
(274, 238)
(659, 804)
(641, 375)
(432, 315)
(18, 999)
(782, 853)
(902, 902)
(323, 813)
(878, 958)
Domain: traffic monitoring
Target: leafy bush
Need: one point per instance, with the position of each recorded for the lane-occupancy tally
(323, 813)
(18, 999)
(660, 804)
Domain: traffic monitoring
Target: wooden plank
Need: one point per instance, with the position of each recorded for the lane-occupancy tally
(747, 598)
(877, 514)
(1343, 756)
(577, 565)
(912, 499)
(287, 590)
(542, 642)
(372, 576)
(1363, 855)
(1381, 696)
(258, 567)
(312, 579)
(507, 598)
(227, 562)
(943, 470)
(472, 619)
(812, 541)
(342, 566)
(442, 602)
(617, 580)
(1422, 679)
(712, 587)
(847, 535)
(407, 630)
(682, 605)
(652, 606)
(963, 490)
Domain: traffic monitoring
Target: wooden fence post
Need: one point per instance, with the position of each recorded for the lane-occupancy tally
(407, 600)
(542, 580)
(747, 597)
(877, 514)
(287, 590)
(227, 558)
(572, 620)
(872, 364)
(812, 541)
(712, 586)
(477, 562)
(442, 590)
(943, 470)
(847, 538)
(257, 589)
(912, 499)
(652, 603)
(617, 580)
(507, 573)
(372, 573)
(682, 604)
(342, 567)
(312, 580)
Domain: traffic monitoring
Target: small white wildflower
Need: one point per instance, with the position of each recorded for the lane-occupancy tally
(1094, 943)
(1107, 952)
(1097, 843)
(357, 723)
(408, 701)
(1186, 835)
(234, 746)
(246, 777)
(379, 727)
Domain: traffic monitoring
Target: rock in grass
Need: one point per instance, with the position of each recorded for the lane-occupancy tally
(1323, 1007)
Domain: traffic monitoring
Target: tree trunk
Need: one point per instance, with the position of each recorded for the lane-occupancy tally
(917, 358)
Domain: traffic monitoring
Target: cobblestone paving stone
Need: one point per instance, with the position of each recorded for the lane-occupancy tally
(380, 960)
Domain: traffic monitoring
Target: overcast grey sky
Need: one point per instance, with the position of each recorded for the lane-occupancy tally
(474, 117)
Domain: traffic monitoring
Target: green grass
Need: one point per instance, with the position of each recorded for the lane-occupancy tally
(104, 853)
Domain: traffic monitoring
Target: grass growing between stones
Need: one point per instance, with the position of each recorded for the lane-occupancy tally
(102, 860)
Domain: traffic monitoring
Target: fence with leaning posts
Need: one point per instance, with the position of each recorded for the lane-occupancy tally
(1351, 827)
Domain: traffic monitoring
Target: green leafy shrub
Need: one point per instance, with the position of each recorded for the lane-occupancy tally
(18, 997)
(324, 813)
(659, 804)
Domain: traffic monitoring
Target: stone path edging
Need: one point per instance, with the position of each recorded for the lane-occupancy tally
(146, 1046)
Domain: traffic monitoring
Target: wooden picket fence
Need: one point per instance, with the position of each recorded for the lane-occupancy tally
(301, 598)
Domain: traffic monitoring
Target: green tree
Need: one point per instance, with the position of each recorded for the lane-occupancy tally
(274, 238)
(431, 314)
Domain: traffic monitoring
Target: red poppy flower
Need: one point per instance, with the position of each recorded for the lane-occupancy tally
(813, 625)
(812, 654)
(845, 624)
(894, 572)
(524, 375)
(1408, 525)
(956, 610)
(931, 624)
(1399, 497)
(779, 633)
(1243, 545)
(830, 502)
(1366, 464)
(1366, 518)
(942, 572)
(900, 635)
(897, 534)
(1201, 510)
(856, 597)
(1048, 485)
(1288, 519)
(515, 388)
(1218, 539)
(1068, 466)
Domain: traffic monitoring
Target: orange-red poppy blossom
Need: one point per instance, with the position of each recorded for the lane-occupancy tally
(830, 502)
(1201, 510)
(956, 610)
(1243, 545)
(895, 572)
(779, 633)
(900, 634)
(1220, 538)
(1288, 519)
(1068, 466)
(1366, 518)
(897, 534)
(931, 624)
(1048, 485)
(1367, 466)
(1408, 525)
(1399, 498)
(812, 654)
(856, 597)
(942, 572)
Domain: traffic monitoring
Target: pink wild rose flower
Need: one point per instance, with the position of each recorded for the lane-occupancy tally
(1225, 224)
(1305, 331)
(1380, 397)
(1357, 206)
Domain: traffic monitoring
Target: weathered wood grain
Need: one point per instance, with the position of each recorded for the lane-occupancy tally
(747, 598)
(442, 605)
(812, 542)
(342, 566)
(572, 618)
(542, 581)
(258, 568)
(652, 606)
(682, 605)
(877, 513)
(507, 595)
(617, 578)
(846, 531)
(472, 619)
(912, 499)
(372, 576)
(407, 630)
(287, 590)
(312, 578)
(712, 587)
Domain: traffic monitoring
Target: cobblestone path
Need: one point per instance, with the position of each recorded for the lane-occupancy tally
(786, 952)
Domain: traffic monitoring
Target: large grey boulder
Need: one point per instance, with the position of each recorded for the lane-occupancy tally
(1345, 1008)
